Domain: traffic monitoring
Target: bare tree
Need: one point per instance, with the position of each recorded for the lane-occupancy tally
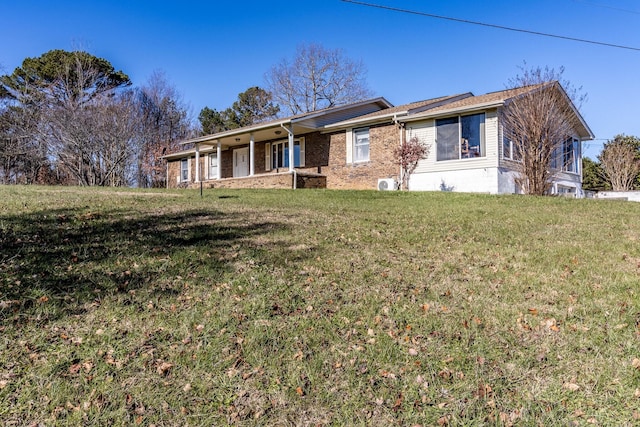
(538, 118)
(407, 155)
(316, 78)
(163, 120)
(620, 161)
(57, 101)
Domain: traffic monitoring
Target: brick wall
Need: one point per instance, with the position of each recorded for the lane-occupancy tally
(325, 154)
(280, 180)
(359, 176)
(173, 172)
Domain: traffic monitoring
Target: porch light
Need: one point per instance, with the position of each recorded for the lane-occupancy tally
(278, 132)
(237, 139)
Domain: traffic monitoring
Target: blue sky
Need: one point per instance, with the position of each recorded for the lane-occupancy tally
(213, 50)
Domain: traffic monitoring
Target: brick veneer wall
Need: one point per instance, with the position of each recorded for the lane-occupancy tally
(173, 171)
(325, 154)
(364, 175)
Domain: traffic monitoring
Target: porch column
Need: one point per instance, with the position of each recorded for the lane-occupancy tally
(219, 157)
(291, 149)
(252, 146)
(197, 163)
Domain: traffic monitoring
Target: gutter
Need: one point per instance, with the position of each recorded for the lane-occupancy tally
(400, 134)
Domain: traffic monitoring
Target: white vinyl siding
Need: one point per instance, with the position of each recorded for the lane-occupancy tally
(425, 131)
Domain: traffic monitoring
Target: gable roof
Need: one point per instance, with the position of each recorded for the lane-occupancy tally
(457, 104)
(399, 111)
(499, 99)
(301, 123)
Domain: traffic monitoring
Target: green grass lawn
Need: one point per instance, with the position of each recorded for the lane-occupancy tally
(131, 307)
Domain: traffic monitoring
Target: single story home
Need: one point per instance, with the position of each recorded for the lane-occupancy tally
(351, 147)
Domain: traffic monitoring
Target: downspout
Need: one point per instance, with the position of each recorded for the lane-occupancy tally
(401, 138)
(291, 156)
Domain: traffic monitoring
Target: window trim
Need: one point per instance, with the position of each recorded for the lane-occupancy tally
(269, 158)
(567, 161)
(482, 146)
(512, 157)
(356, 132)
(212, 170)
(184, 171)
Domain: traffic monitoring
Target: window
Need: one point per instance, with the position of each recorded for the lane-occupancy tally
(184, 170)
(361, 145)
(565, 157)
(570, 155)
(277, 154)
(510, 150)
(460, 137)
(213, 165)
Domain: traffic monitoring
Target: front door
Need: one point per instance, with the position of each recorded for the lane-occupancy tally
(241, 162)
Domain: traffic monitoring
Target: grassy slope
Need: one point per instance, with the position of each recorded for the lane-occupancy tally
(316, 307)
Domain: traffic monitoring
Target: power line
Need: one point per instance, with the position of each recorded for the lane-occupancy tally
(607, 7)
(484, 24)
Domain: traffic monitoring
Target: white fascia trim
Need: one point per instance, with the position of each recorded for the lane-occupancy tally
(459, 110)
(212, 139)
(362, 122)
(319, 113)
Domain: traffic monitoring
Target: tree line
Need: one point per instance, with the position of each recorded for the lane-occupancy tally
(617, 166)
(70, 118)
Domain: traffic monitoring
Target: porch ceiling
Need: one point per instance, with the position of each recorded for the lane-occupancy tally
(259, 135)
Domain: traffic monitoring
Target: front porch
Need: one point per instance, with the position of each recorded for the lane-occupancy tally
(282, 180)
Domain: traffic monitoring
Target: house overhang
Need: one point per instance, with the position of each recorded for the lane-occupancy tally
(395, 116)
(298, 125)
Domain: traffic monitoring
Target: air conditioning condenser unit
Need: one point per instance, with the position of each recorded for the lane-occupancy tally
(387, 184)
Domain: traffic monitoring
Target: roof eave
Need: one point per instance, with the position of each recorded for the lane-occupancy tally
(462, 109)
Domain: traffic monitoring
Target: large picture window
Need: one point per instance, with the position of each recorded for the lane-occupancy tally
(461, 137)
(361, 145)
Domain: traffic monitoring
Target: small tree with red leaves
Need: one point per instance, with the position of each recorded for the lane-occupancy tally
(407, 155)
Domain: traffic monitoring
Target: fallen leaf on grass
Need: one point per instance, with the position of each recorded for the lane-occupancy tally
(484, 390)
(163, 368)
(299, 391)
(444, 421)
(571, 386)
(387, 374)
(398, 404)
(636, 363)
